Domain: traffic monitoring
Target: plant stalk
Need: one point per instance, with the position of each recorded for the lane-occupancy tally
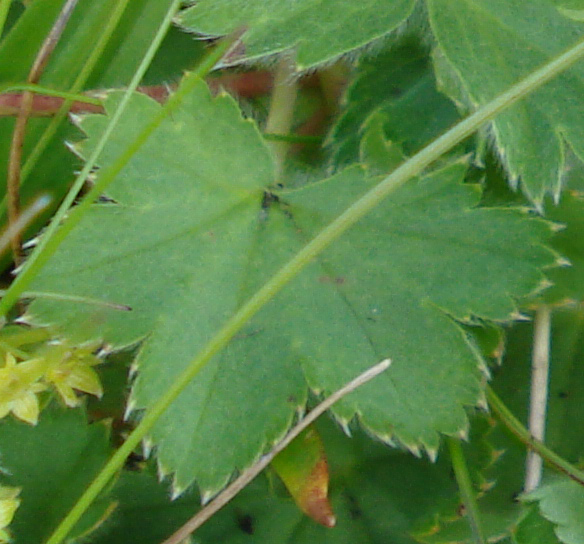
(281, 111)
(78, 84)
(348, 218)
(467, 492)
(516, 427)
(540, 366)
(13, 178)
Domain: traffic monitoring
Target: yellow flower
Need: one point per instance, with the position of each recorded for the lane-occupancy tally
(19, 387)
(8, 505)
(71, 369)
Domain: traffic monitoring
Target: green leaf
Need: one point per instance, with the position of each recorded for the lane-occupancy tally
(337, 26)
(304, 470)
(398, 86)
(53, 463)
(491, 44)
(562, 503)
(192, 235)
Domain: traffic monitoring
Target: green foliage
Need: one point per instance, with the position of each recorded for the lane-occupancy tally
(505, 40)
(339, 320)
(274, 27)
(164, 269)
(53, 463)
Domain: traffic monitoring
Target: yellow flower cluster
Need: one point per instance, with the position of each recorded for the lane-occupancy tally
(9, 502)
(59, 365)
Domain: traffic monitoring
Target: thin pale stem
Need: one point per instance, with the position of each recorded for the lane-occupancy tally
(517, 428)
(78, 84)
(17, 143)
(540, 363)
(248, 475)
(466, 489)
(349, 217)
(281, 111)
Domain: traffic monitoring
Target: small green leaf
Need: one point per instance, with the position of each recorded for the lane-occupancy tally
(562, 503)
(274, 26)
(398, 85)
(303, 469)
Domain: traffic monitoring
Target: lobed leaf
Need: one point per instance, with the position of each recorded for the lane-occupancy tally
(193, 232)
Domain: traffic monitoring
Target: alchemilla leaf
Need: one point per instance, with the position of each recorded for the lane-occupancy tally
(193, 231)
(492, 44)
(337, 26)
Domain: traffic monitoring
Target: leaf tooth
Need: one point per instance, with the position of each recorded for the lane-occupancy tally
(344, 424)
(176, 490)
(482, 403)
(207, 495)
(24, 319)
(432, 453)
(147, 446)
(518, 316)
(163, 471)
(414, 449)
(463, 433)
(77, 120)
(130, 407)
(134, 369)
(562, 262)
(388, 439)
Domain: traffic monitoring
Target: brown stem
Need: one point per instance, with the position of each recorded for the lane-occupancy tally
(16, 146)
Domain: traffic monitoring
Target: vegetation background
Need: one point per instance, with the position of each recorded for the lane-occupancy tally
(218, 213)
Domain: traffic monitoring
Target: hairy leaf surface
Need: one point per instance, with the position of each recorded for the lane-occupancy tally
(491, 44)
(192, 234)
(273, 26)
